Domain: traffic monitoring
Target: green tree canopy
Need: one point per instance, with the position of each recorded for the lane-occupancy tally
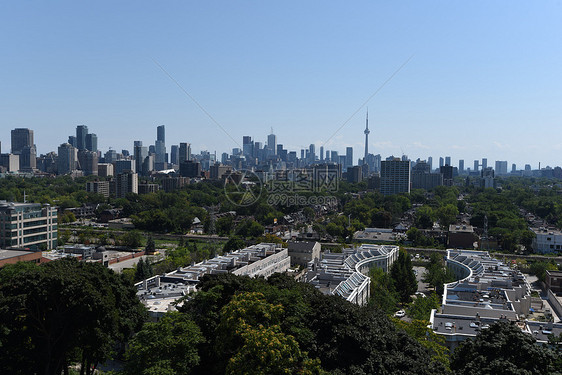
(503, 349)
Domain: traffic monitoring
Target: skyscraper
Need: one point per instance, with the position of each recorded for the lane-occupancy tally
(67, 158)
(348, 157)
(160, 146)
(367, 131)
(272, 143)
(430, 162)
(448, 160)
(484, 163)
(21, 137)
(92, 142)
(321, 153)
(81, 131)
(395, 176)
(175, 154)
(441, 161)
(184, 152)
(476, 165)
(461, 166)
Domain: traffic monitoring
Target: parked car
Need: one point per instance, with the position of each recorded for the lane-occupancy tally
(400, 314)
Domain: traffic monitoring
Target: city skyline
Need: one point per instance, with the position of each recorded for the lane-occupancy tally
(483, 80)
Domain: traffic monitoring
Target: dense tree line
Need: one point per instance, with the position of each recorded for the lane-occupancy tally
(63, 312)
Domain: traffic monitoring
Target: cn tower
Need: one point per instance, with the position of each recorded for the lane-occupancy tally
(367, 131)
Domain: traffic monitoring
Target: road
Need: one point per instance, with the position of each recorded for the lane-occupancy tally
(130, 263)
(422, 287)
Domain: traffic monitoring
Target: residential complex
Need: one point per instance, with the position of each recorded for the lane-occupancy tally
(487, 291)
(344, 274)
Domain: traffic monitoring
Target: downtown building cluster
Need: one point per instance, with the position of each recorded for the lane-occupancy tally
(269, 160)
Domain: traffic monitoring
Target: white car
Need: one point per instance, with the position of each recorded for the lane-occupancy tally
(400, 314)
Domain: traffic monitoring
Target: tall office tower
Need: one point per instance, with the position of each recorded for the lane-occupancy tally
(513, 168)
(476, 164)
(174, 154)
(312, 153)
(160, 145)
(484, 163)
(92, 142)
(461, 166)
(302, 154)
(81, 131)
(161, 133)
(120, 166)
(395, 176)
(441, 161)
(67, 158)
(110, 156)
(377, 159)
(224, 158)
(247, 146)
(88, 161)
(72, 140)
(272, 143)
(501, 167)
(28, 158)
(430, 162)
(334, 157)
(448, 160)
(366, 132)
(137, 143)
(184, 152)
(127, 182)
(139, 153)
(258, 151)
(348, 157)
(21, 137)
(327, 158)
(321, 153)
(405, 158)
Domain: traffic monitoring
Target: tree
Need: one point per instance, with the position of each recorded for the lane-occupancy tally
(383, 295)
(64, 311)
(150, 245)
(447, 215)
(403, 277)
(424, 217)
(234, 243)
(143, 270)
(437, 275)
(132, 239)
(169, 346)
(503, 349)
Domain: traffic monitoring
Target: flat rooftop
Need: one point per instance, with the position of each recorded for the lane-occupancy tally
(7, 254)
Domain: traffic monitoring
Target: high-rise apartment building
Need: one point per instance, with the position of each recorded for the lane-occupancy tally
(67, 159)
(395, 176)
(127, 182)
(441, 161)
(501, 167)
(476, 165)
(448, 160)
(461, 166)
(484, 163)
(430, 163)
(88, 161)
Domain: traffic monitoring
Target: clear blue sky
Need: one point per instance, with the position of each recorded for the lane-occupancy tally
(485, 79)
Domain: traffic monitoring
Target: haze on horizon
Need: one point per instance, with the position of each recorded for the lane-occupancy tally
(485, 79)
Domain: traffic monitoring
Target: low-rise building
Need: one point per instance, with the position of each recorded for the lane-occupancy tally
(462, 236)
(487, 290)
(344, 274)
(303, 252)
(14, 256)
(159, 293)
(547, 240)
